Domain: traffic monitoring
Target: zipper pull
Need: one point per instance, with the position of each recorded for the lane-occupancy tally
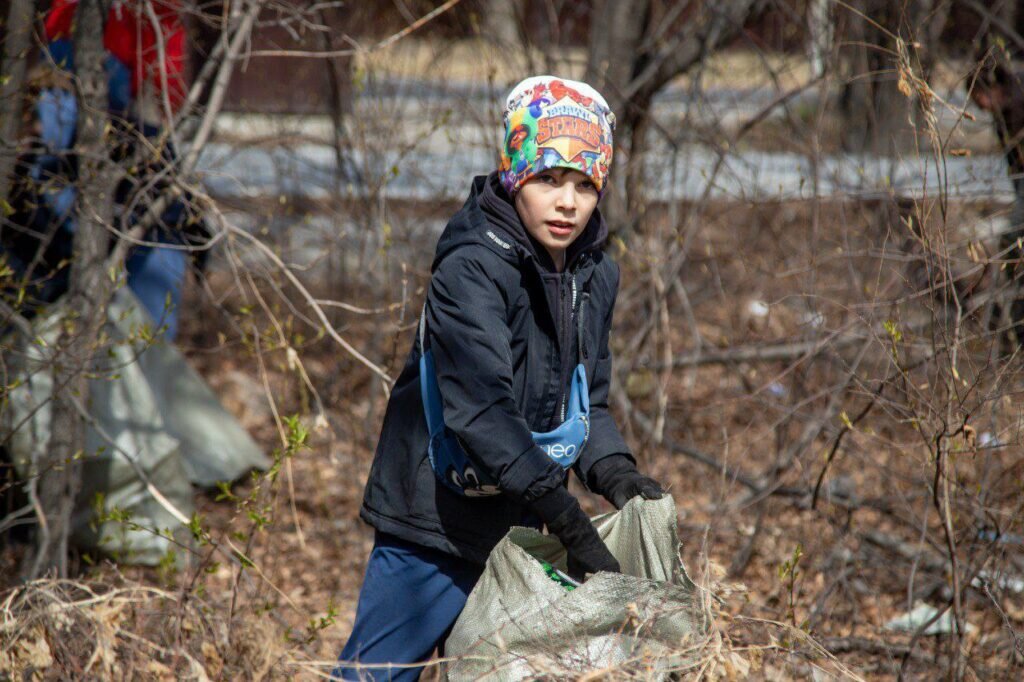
(584, 349)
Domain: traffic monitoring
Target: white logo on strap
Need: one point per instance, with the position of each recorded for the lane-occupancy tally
(558, 451)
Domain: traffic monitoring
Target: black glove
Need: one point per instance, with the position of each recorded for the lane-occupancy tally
(561, 513)
(618, 480)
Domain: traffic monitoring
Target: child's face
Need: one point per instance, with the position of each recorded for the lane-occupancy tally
(555, 205)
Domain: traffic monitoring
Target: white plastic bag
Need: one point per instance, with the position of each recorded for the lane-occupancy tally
(520, 624)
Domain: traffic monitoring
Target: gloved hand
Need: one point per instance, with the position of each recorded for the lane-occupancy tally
(617, 479)
(564, 518)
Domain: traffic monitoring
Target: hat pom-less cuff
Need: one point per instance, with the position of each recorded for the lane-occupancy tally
(513, 183)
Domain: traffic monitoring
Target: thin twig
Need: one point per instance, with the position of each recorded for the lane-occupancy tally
(387, 42)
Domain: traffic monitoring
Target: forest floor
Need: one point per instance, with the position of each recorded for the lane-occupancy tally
(746, 442)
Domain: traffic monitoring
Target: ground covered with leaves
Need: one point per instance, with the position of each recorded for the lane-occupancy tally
(819, 387)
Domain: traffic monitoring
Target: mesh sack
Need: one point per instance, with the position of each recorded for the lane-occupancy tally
(519, 624)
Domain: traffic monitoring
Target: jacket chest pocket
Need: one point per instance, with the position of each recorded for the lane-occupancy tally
(536, 380)
(592, 328)
(528, 361)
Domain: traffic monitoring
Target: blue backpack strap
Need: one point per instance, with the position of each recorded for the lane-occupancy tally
(430, 393)
(422, 326)
(450, 462)
(579, 393)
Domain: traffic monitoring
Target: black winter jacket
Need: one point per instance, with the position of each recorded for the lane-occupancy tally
(501, 323)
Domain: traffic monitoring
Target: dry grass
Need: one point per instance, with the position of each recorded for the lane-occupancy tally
(289, 615)
(129, 630)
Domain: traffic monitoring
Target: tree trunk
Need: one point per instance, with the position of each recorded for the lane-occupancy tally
(933, 15)
(635, 48)
(85, 302)
(17, 43)
(617, 30)
(502, 23)
(877, 116)
(340, 96)
(820, 29)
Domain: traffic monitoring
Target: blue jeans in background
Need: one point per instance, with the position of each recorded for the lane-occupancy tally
(155, 276)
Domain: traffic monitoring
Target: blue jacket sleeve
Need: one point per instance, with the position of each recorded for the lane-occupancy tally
(471, 344)
(605, 439)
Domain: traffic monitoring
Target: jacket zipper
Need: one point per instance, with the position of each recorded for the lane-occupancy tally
(567, 327)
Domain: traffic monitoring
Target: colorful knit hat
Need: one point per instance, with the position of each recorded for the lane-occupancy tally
(555, 123)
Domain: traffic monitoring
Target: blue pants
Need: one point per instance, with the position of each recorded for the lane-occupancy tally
(155, 276)
(410, 599)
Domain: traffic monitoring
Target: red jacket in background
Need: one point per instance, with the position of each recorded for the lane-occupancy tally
(130, 36)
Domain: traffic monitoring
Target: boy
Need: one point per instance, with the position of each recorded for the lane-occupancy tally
(514, 337)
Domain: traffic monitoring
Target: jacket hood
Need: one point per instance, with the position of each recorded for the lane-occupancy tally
(489, 217)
